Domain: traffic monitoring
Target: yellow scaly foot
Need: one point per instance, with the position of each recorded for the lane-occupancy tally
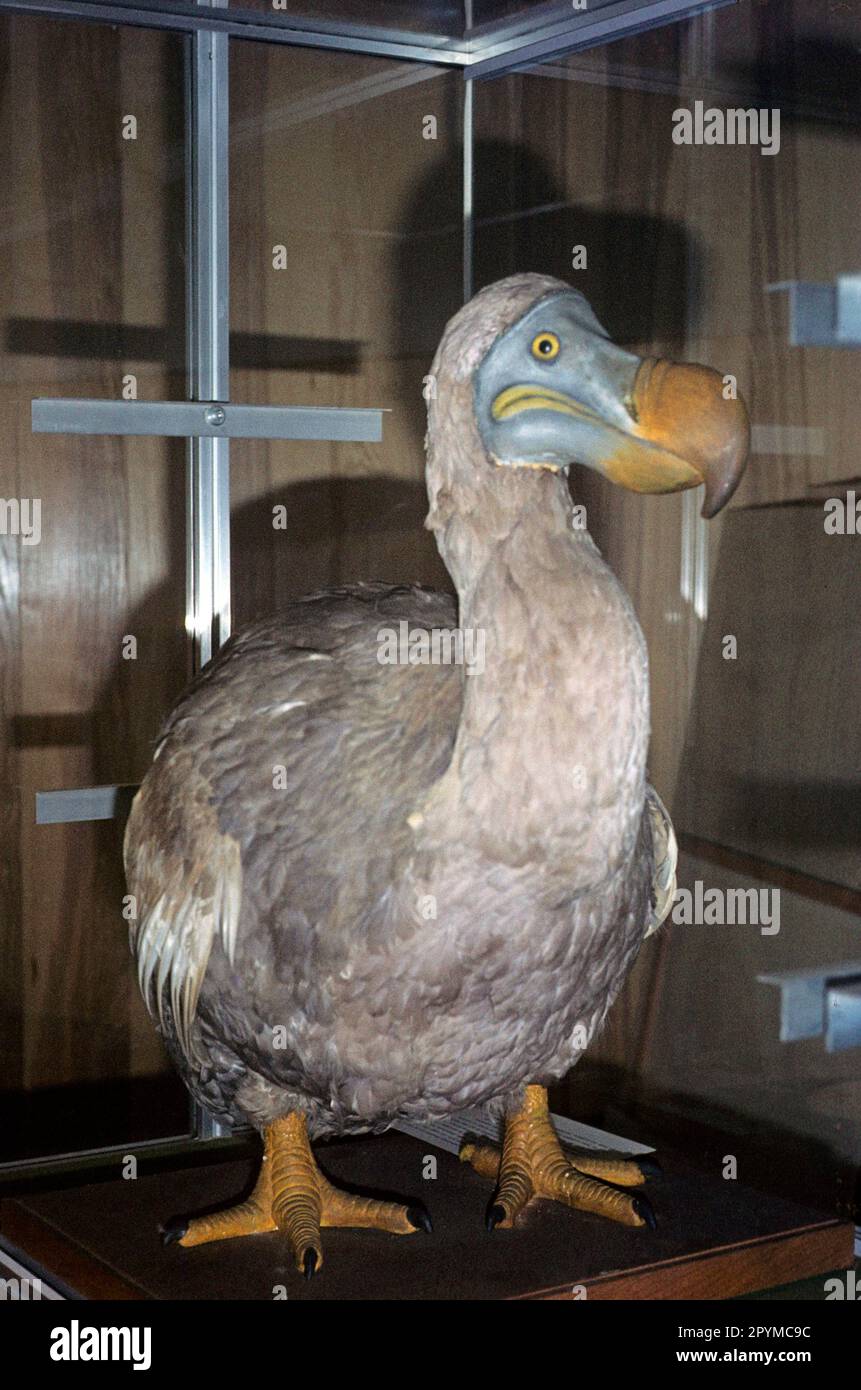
(533, 1164)
(293, 1196)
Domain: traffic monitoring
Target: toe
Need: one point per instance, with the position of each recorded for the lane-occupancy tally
(496, 1215)
(643, 1209)
(650, 1167)
(483, 1157)
(622, 1172)
(419, 1218)
(172, 1232)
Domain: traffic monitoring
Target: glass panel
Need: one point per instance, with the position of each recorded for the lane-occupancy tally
(752, 621)
(92, 262)
(536, 11)
(527, 16)
(346, 238)
(438, 17)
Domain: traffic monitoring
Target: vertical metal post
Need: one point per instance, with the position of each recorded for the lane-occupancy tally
(207, 104)
(468, 214)
(468, 182)
(697, 65)
(207, 286)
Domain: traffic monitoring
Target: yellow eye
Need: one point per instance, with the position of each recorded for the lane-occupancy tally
(545, 346)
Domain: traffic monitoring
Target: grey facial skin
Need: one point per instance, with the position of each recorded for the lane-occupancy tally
(594, 374)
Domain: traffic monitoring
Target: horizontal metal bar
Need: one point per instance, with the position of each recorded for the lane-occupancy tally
(530, 20)
(205, 420)
(256, 25)
(582, 29)
(823, 315)
(848, 325)
(843, 1015)
(486, 51)
(84, 804)
(30, 1275)
(53, 1166)
(803, 996)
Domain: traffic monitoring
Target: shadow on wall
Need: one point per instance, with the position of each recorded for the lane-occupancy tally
(643, 277)
(643, 270)
(340, 529)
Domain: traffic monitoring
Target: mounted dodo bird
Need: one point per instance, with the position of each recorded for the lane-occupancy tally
(372, 890)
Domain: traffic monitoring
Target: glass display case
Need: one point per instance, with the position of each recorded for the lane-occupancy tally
(246, 209)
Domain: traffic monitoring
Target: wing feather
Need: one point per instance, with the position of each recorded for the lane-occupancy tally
(186, 877)
(665, 856)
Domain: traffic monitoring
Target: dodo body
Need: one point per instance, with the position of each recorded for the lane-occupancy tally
(369, 890)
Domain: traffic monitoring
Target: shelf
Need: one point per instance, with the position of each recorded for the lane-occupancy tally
(714, 1240)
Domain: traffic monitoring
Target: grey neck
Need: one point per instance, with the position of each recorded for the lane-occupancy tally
(558, 719)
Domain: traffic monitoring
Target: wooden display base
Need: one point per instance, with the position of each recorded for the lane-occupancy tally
(715, 1239)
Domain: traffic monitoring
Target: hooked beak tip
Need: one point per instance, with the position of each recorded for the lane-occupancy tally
(683, 408)
(724, 470)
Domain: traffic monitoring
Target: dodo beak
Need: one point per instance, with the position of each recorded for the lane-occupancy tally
(685, 432)
(673, 427)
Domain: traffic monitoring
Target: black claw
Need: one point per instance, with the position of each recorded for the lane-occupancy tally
(173, 1231)
(495, 1216)
(309, 1262)
(650, 1167)
(643, 1209)
(419, 1217)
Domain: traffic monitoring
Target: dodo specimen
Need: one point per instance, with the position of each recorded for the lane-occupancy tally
(307, 801)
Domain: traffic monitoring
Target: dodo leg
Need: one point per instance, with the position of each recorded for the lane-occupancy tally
(533, 1164)
(304, 1201)
(292, 1195)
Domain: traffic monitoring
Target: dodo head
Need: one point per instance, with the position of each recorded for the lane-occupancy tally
(549, 389)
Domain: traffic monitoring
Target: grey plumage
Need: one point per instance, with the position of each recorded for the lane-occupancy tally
(368, 890)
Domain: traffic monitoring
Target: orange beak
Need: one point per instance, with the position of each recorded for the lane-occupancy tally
(686, 431)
